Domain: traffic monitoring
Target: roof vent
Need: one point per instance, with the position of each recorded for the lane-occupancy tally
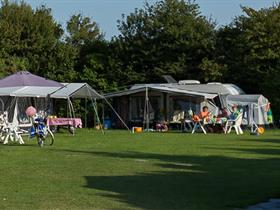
(188, 82)
(214, 83)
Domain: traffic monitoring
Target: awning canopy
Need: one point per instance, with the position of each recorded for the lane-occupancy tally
(255, 106)
(25, 78)
(247, 99)
(25, 84)
(75, 90)
(70, 90)
(162, 88)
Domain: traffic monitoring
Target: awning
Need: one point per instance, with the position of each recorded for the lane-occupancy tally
(68, 90)
(33, 91)
(25, 84)
(25, 78)
(75, 90)
(162, 89)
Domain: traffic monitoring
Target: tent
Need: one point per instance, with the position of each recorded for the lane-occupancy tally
(144, 103)
(25, 78)
(25, 84)
(255, 107)
(75, 90)
(19, 89)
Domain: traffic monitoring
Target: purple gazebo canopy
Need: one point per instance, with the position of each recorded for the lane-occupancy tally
(25, 78)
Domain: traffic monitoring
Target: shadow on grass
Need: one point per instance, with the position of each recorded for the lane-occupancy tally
(192, 182)
(270, 151)
(274, 141)
(18, 145)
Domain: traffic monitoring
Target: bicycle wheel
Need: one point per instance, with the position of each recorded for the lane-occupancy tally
(49, 138)
(40, 141)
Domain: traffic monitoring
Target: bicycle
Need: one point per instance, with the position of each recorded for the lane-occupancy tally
(42, 132)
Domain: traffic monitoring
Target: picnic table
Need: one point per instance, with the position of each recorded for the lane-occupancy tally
(75, 122)
(212, 121)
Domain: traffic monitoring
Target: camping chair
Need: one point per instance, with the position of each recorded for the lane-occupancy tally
(198, 125)
(188, 122)
(178, 118)
(236, 124)
(24, 124)
(188, 125)
(9, 131)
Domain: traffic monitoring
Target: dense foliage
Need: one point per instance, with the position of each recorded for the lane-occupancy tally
(170, 37)
(250, 48)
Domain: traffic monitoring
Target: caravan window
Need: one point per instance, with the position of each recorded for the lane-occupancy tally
(138, 106)
(181, 104)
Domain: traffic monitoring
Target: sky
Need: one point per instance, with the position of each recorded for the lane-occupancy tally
(107, 12)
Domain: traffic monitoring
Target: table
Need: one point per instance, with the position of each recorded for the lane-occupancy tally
(75, 122)
(211, 121)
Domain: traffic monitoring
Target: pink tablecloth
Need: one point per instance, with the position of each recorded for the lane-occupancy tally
(76, 122)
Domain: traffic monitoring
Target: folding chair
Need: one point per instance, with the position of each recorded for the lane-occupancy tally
(178, 118)
(198, 125)
(9, 131)
(188, 125)
(236, 124)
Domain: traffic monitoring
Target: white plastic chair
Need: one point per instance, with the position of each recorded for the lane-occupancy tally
(236, 124)
(178, 118)
(188, 125)
(9, 131)
(198, 125)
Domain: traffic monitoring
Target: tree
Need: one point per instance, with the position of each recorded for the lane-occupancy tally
(29, 39)
(169, 37)
(92, 50)
(82, 30)
(250, 48)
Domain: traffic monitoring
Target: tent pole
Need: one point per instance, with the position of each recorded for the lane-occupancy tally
(86, 113)
(105, 99)
(67, 108)
(15, 119)
(95, 110)
(96, 113)
(147, 110)
(71, 108)
(103, 112)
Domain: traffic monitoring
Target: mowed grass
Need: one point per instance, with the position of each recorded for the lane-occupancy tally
(120, 170)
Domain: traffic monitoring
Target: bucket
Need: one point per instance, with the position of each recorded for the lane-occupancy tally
(138, 129)
(107, 124)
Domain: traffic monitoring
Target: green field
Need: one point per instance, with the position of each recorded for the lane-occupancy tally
(120, 170)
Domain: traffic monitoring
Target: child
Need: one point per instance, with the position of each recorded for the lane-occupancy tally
(235, 112)
(205, 114)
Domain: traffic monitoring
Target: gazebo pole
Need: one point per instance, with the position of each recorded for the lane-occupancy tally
(147, 110)
(94, 103)
(116, 113)
(103, 112)
(96, 113)
(86, 113)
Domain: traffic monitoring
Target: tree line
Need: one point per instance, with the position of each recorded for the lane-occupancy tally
(169, 37)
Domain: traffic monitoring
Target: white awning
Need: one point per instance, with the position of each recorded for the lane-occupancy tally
(33, 91)
(162, 89)
(186, 92)
(75, 90)
(7, 91)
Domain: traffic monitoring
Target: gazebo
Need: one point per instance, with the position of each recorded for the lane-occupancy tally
(22, 89)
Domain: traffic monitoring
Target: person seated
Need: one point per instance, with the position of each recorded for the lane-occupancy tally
(223, 113)
(162, 126)
(235, 112)
(205, 114)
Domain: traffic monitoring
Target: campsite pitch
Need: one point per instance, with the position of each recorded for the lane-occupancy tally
(120, 170)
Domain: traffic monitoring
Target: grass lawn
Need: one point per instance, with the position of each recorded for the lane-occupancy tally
(119, 170)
